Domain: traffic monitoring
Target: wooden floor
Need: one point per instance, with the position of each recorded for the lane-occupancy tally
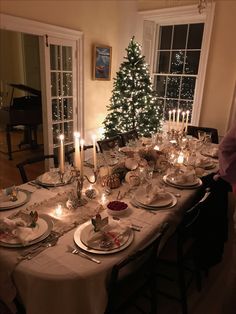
(218, 295)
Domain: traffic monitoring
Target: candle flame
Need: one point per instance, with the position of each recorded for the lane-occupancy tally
(61, 137)
(77, 134)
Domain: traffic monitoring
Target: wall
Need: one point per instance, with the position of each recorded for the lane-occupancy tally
(221, 69)
(103, 22)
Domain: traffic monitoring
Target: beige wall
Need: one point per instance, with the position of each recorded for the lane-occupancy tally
(114, 22)
(221, 68)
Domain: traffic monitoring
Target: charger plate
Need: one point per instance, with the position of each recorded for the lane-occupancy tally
(42, 230)
(172, 204)
(140, 197)
(194, 185)
(82, 232)
(23, 197)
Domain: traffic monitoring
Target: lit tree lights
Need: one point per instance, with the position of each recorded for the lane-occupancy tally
(133, 104)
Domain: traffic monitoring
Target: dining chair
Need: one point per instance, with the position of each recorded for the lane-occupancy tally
(128, 136)
(178, 261)
(109, 143)
(69, 155)
(132, 278)
(34, 166)
(193, 130)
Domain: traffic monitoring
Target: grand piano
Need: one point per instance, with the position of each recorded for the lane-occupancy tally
(26, 111)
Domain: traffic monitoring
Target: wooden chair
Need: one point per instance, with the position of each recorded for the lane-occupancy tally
(133, 277)
(179, 256)
(128, 136)
(37, 161)
(193, 130)
(109, 143)
(69, 155)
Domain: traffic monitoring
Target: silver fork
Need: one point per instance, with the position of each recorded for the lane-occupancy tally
(82, 254)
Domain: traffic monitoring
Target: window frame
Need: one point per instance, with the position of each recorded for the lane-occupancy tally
(175, 16)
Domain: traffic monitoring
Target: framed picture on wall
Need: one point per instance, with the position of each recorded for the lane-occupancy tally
(102, 62)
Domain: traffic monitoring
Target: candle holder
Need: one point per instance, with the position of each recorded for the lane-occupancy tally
(79, 186)
(61, 175)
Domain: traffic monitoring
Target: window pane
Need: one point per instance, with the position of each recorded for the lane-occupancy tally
(195, 36)
(68, 131)
(192, 62)
(173, 87)
(66, 58)
(67, 84)
(164, 60)
(160, 85)
(180, 33)
(57, 130)
(68, 108)
(170, 105)
(56, 110)
(186, 105)
(56, 84)
(187, 88)
(177, 61)
(165, 33)
(55, 57)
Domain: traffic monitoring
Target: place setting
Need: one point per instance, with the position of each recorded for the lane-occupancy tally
(183, 178)
(153, 197)
(24, 229)
(103, 235)
(13, 197)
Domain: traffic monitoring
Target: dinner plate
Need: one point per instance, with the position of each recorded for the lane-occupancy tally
(23, 197)
(182, 186)
(172, 204)
(82, 245)
(42, 231)
(40, 181)
(141, 199)
(187, 184)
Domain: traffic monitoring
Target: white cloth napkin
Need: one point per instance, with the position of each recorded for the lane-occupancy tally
(152, 194)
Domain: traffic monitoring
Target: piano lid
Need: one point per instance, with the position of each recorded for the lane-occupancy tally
(27, 89)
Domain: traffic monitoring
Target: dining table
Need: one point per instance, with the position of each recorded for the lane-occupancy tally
(49, 278)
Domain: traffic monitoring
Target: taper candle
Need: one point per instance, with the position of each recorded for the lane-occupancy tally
(82, 157)
(94, 153)
(77, 157)
(62, 154)
(186, 123)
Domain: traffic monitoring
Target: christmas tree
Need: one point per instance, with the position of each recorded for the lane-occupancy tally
(133, 104)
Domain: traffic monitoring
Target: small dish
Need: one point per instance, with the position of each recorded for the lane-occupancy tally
(117, 208)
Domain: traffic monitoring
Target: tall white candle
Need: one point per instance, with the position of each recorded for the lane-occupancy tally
(183, 117)
(170, 112)
(94, 153)
(77, 157)
(178, 113)
(174, 115)
(62, 154)
(186, 123)
(82, 157)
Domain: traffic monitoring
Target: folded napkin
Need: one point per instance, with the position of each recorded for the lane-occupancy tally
(8, 194)
(183, 177)
(202, 161)
(53, 177)
(152, 193)
(109, 237)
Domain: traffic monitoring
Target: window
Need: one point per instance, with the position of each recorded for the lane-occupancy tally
(176, 44)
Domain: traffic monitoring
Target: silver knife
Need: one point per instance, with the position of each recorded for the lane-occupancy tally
(82, 254)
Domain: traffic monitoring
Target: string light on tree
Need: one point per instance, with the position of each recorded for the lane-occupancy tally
(133, 104)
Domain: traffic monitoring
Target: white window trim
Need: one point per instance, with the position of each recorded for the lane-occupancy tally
(180, 15)
(13, 23)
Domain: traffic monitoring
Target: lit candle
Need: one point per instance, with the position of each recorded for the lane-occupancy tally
(156, 147)
(94, 153)
(170, 112)
(77, 157)
(174, 115)
(62, 154)
(180, 159)
(186, 122)
(58, 210)
(183, 117)
(178, 113)
(103, 199)
(82, 158)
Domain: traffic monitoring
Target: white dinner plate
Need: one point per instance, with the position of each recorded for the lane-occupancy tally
(40, 181)
(172, 204)
(42, 230)
(140, 197)
(23, 197)
(79, 242)
(183, 186)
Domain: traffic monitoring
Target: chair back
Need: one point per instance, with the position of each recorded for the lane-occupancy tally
(128, 136)
(109, 143)
(139, 264)
(193, 130)
(28, 173)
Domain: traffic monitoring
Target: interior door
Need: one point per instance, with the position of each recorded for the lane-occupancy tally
(61, 81)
